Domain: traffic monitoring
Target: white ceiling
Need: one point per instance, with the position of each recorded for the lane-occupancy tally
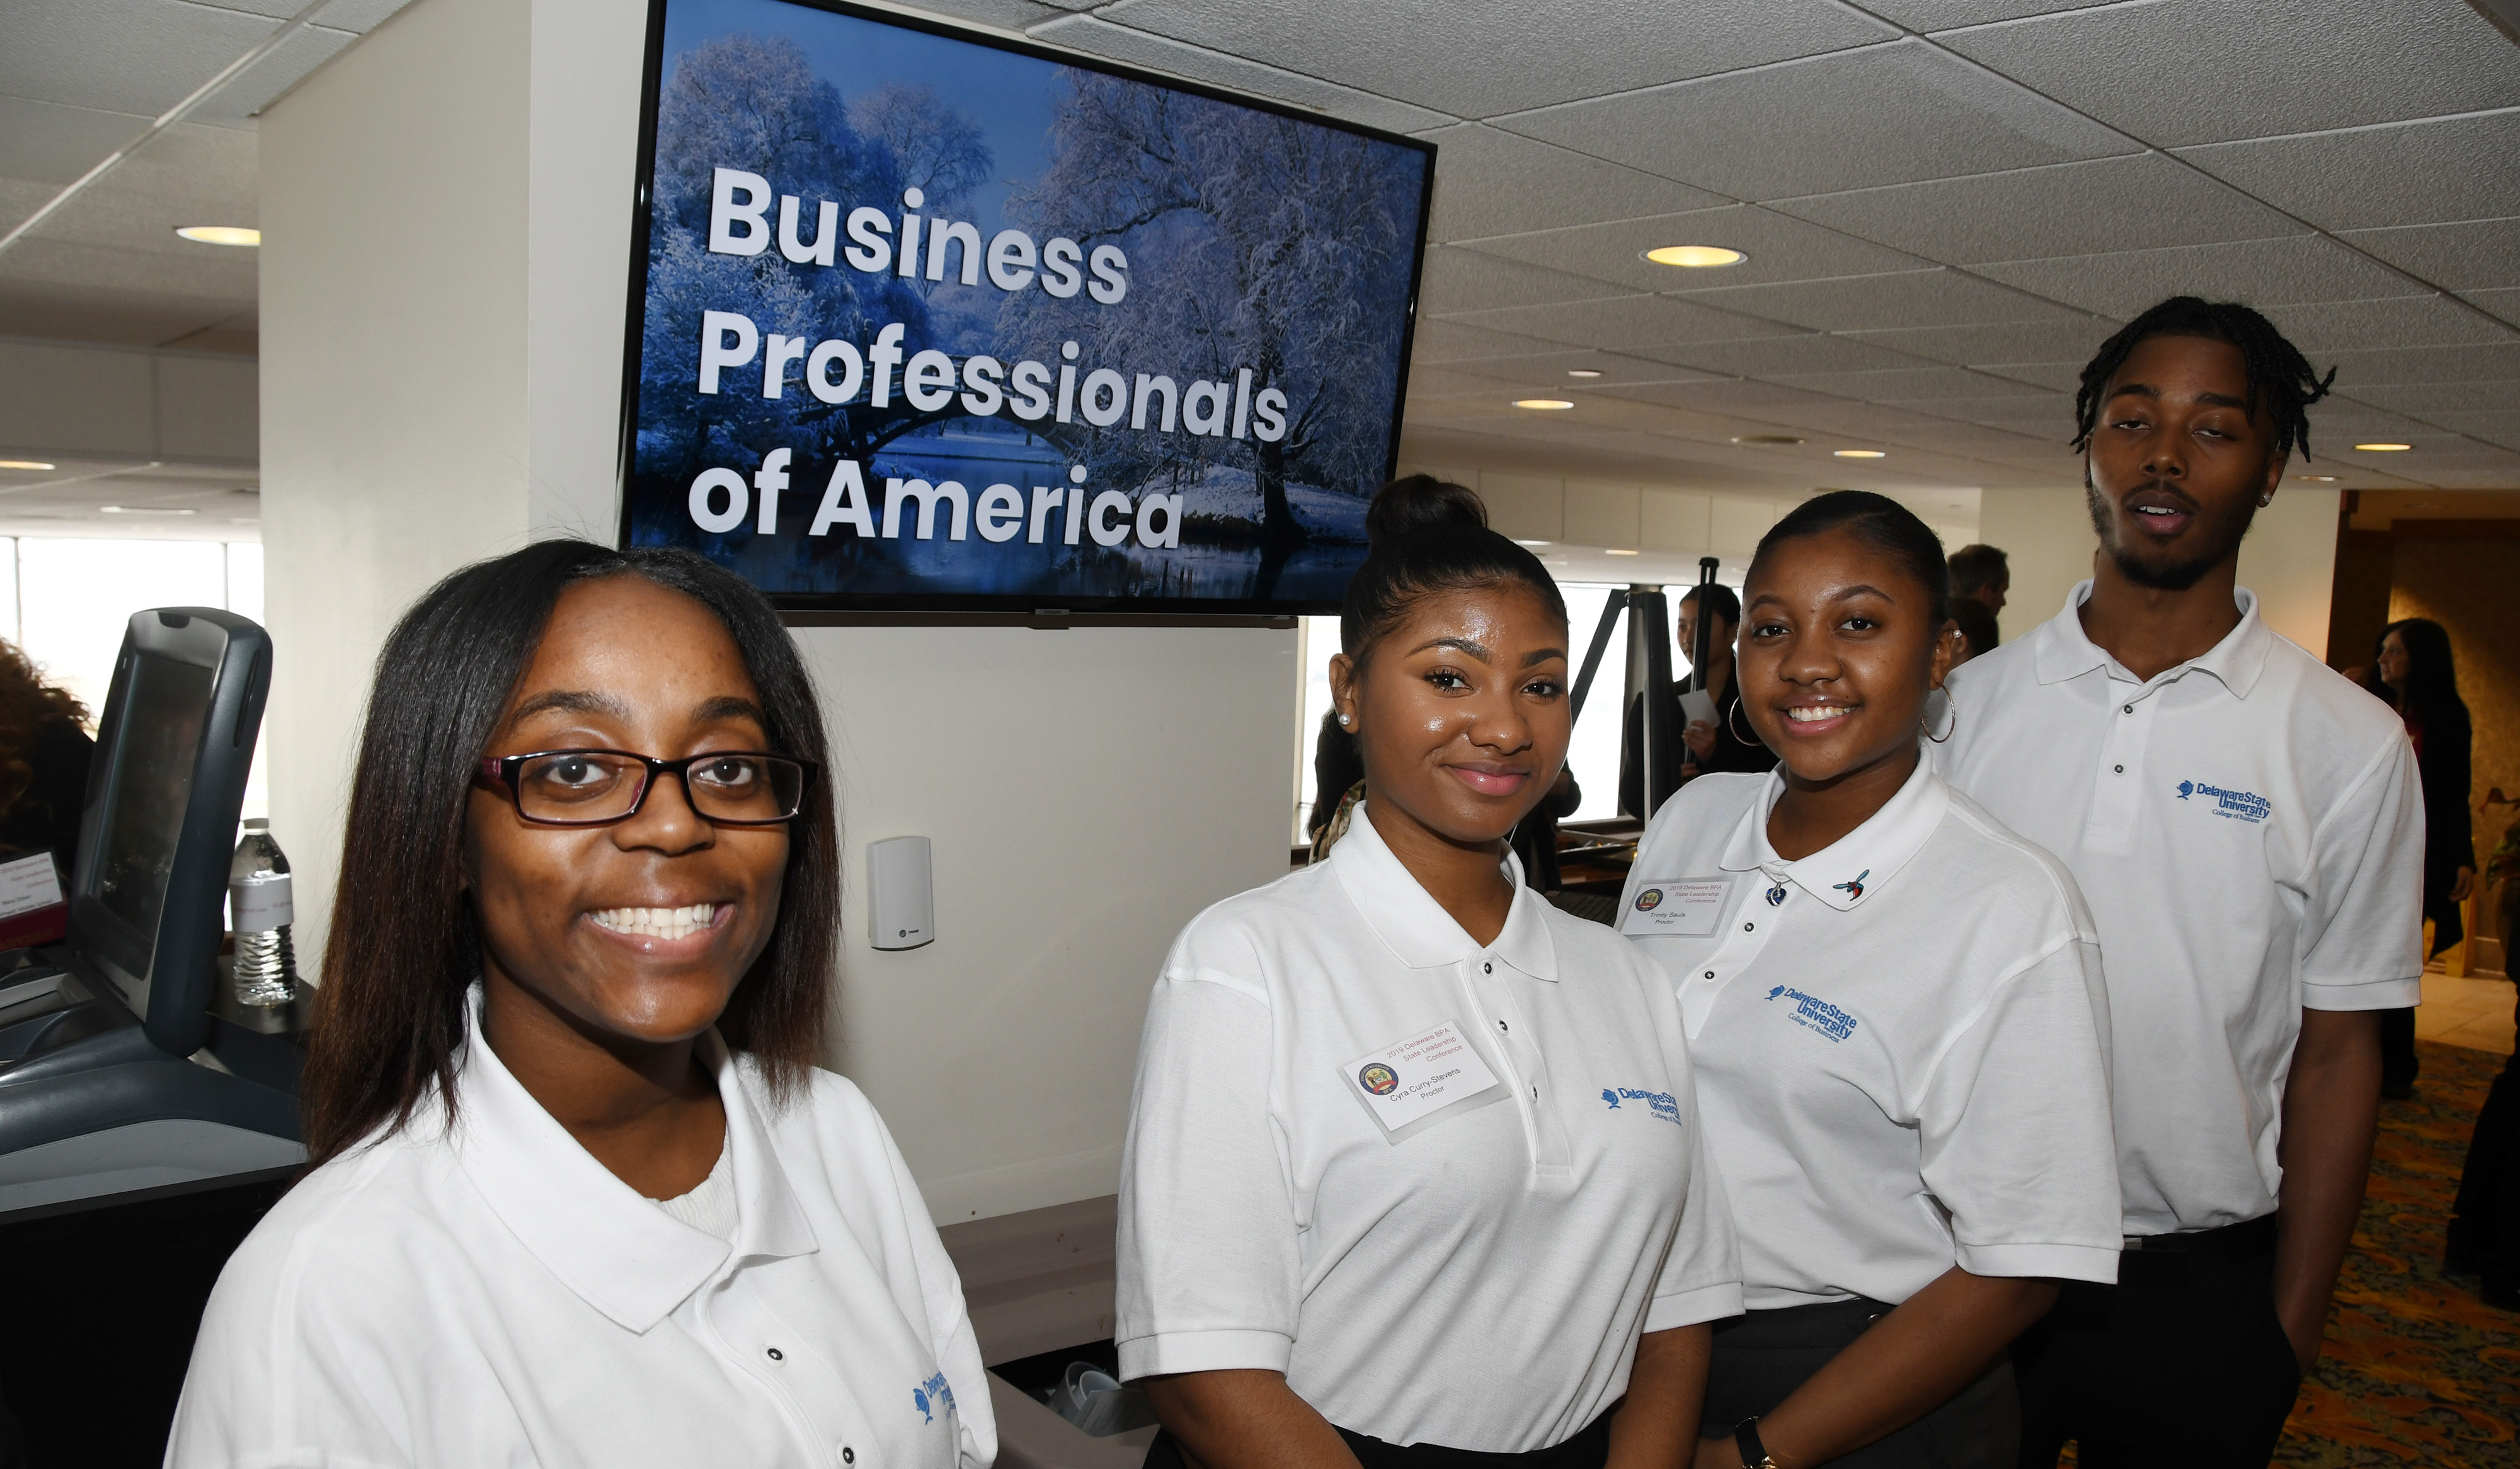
(1946, 203)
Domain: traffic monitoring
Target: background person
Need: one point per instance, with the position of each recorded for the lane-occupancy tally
(2245, 825)
(2484, 1235)
(1896, 1011)
(44, 756)
(1718, 744)
(2412, 673)
(1981, 575)
(1413, 1172)
(578, 1195)
(1975, 629)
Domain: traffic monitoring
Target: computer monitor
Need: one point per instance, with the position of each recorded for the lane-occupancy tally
(173, 748)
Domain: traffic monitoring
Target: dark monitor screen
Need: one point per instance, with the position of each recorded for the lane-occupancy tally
(151, 787)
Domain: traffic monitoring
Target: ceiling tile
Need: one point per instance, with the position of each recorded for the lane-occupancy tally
(2502, 306)
(2124, 283)
(1625, 323)
(1436, 341)
(1900, 385)
(1465, 280)
(1908, 299)
(1006, 14)
(2142, 202)
(1849, 421)
(2042, 415)
(125, 56)
(2478, 255)
(1779, 248)
(1882, 114)
(1759, 401)
(1550, 369)
(1498, 183)
(45, 141)
(2343, 63)
(1943, 15)
(117, 317)
(2497, 427)
(2498, 361)
(2055, 377)
(235, 103)
(2365, 179)
(1766, 356)
(1138, 48)
(214, 274)
(1476, 61)
(1446, 382)
(2036, 342)
(2433, 400)
(2402, 321)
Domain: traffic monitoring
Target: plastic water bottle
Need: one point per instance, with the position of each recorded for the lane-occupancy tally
(259, 903)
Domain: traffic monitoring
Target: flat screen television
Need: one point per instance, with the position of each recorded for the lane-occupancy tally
(923, 320)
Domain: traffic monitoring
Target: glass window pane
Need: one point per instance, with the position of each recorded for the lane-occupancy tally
(76, 596)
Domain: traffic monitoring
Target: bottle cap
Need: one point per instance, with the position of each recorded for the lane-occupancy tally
(258, 824)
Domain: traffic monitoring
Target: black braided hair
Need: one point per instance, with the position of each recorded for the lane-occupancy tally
(2282, 382)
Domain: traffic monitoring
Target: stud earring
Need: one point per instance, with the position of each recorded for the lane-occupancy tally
(1344, 721)
(2266, 499)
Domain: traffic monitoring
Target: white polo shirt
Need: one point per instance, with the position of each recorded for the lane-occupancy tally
(1441, 1187)
(493, 1296)
(2248, 831)
(1901, 1042)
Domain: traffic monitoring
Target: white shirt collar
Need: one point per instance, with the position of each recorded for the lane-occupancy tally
(617, 1250)
(2065, 651)
(1856, 865)
(1415, 927)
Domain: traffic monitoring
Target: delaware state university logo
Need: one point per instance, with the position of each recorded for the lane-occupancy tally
(1649, 900)
(1661, 1104)
(2236, 806)
(931, 1395)
(1813, 1013)
(1378, 1079)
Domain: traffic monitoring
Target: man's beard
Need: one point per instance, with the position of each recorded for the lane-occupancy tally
(2169, 570)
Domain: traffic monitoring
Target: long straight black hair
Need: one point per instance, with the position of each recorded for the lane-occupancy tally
(405, 946)
(2432, 674)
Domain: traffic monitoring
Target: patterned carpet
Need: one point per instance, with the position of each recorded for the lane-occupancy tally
(2417, 1370)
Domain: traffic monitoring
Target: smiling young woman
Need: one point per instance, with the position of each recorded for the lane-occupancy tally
(1413, 1173)
(1894, 1006)
(577, 1194)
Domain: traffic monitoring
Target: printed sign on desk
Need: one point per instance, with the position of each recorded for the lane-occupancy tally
(32, 910)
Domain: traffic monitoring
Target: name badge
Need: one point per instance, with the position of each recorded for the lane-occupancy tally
(1676, 905)
(1406, 1083)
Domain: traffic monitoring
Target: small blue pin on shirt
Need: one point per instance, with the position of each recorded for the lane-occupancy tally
(1777, 896)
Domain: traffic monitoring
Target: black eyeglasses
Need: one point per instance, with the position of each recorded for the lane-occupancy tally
(599, 787)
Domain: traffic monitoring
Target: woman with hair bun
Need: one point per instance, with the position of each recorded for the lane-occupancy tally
(1901, 1033)
(1413, 1173)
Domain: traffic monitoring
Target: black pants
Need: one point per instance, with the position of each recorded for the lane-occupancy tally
(1589, 1449)
(2398, 1063)
(2184, 1362)
(2485, 1222)
(1761, 1358)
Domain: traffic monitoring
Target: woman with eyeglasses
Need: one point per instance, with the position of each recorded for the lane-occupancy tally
(577, 1194)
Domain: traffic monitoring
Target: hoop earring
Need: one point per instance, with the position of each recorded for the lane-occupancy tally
(1730, 716)
(1955, 726)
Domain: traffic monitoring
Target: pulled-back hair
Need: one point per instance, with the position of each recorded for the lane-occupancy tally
(1878, 522)
(405, 945)
(2282, 384)
(1717, 598)
(1428, 536)
(1975, 568)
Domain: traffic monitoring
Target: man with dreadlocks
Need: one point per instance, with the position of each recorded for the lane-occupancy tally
(2246, 826)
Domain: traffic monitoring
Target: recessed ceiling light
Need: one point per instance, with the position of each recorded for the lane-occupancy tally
(220, 234)
(140, 509)
(1695, 256)
(1519, 541)
(1768, 439)
(1615, 551)
(1583, 372)
(1859, 453)
(2383, 448)
(1543, 404)
(26, 464)
(2318, 479)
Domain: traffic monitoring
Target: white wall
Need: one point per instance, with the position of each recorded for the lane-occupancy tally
(71, 400)
(2289, 559)
(448, 206)
(446, 210)
(1086, 792)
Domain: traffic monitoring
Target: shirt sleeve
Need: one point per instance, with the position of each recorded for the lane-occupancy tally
(1210, 1276)
(2362, 936)
(1701, 1277)
(2014, 1119)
